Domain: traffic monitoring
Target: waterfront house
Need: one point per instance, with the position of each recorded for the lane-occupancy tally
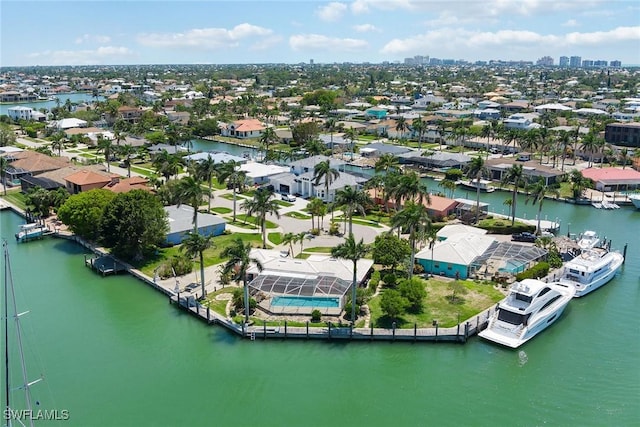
(68, 124)
(623, 134)
(85, 180)
(318, 279)
(260, 173)
(216, 157)
(454, 256)
(451, 229)
(181, 223)
(25, 113)
(24, 163)
(613, 179)
(247, 128)
(531, 169)
(124, 185)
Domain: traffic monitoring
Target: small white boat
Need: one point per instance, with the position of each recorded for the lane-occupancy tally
(484, 185)
(588, 240)
(597, 205)
(30, 231)
(635, 199)
(530, 308)
(591, 269)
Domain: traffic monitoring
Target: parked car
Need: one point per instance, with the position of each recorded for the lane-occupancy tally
(288, 197)
(524, 237)
(191, 287)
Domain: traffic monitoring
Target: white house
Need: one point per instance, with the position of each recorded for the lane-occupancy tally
(69, 123)
(248, 128)
(519, 121)
(25, 113)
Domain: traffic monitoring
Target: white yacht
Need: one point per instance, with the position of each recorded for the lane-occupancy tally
(484, 185)
(530, 307)
(635, 199)
(588, 240)
(591, 270)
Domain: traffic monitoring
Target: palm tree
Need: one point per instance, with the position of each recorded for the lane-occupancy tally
(194, 244)
(190, 191)
(352, 251)
(476, 170)
(314, 207)
(4, 164)
(590, 145)
(230, 173)
(415, 219)
(240, 261)
(565, 141)
(352, 200)
(267, 139)
(289, 239)
(351, 135)
(419, 127)
(449, 185)
(409, 187)
(514, 175)
(536, 195)
(59, 140)
(401, 126)
(105, 145)
(127, 151)
(261, 205)
(323, 170)
(431, 236)
(624, 157)
(387, 162)
(330, 125)
(205, 170)
(578, 184)
(167, 164)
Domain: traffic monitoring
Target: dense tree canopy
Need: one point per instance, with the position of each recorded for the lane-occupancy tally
(82, 212)
(389, 250)
(133, 224)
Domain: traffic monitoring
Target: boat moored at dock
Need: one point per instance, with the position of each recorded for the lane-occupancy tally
(483, 184)
(530, 307)
(31, 231)
(588, 240)
(591, 269)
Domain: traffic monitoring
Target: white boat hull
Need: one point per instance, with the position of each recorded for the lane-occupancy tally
(636, 201)
(514, 336)
(583, 289)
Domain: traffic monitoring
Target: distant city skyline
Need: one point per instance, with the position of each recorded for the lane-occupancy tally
(53, 32)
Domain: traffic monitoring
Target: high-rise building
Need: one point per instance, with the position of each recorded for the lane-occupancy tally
(587, 63)
(564, 61)
(600, 63)
(311, 61)
(615, 64)
(575, 61)
(545, 61)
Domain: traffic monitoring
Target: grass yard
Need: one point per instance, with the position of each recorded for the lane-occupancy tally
(283, 203)
(211, 256)
(437, 306)
(275, 238)
(221, 210)
(219, 306)
(254, 221)
(319, 249)
(229, 196)
(17, 198)
(297, 215)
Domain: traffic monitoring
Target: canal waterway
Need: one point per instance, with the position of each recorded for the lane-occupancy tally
(73, 97)
(115, 353)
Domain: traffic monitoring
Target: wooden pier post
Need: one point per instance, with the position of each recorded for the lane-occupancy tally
(466, 331)
(307, 329)
(371, 335)
(436, 331)
(415, 332)
(208, 314)
(624, 253)
(264, 329)
(393, 325)
(329, 331)
(285, 329)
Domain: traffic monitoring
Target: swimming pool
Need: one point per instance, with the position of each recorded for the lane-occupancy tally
(324, 302)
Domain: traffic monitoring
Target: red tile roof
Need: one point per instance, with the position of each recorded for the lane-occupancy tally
(86, 177)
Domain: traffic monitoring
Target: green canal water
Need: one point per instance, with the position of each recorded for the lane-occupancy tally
(115, 353)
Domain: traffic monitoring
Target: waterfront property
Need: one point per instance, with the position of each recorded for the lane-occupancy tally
(613, 179)
(180, 223)
(454, 256)
(298, 286)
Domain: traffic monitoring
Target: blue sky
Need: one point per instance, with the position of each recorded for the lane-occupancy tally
(224, 32)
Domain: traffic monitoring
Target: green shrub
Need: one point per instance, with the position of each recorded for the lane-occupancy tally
(539, 270)
(315, 231)
(177, 264)
(390, 280)
(374, 281)
(316, 316)
(334, 229)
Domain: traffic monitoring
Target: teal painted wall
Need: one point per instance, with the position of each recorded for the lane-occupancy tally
(444, 269)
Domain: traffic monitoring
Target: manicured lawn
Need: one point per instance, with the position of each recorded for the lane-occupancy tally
(229, 196)
(219, 306)
(275, 238)
(359, 221)
(283, 203)
(211, 256)
(319, 249)
(297, 215)
(436, 306)
(221, 210)
(17, 198)
(303, 256)
(503, 226)
(244, 225)
(253, 220)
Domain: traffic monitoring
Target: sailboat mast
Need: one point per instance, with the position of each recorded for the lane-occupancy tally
(26, 384)
(5, 318)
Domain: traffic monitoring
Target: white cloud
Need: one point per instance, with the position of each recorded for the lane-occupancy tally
(332, 12)
(366, 28)
(204, 38)
(319, 42)
(570, 23)
(93, 38)
(101, 55)
(459, 39)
